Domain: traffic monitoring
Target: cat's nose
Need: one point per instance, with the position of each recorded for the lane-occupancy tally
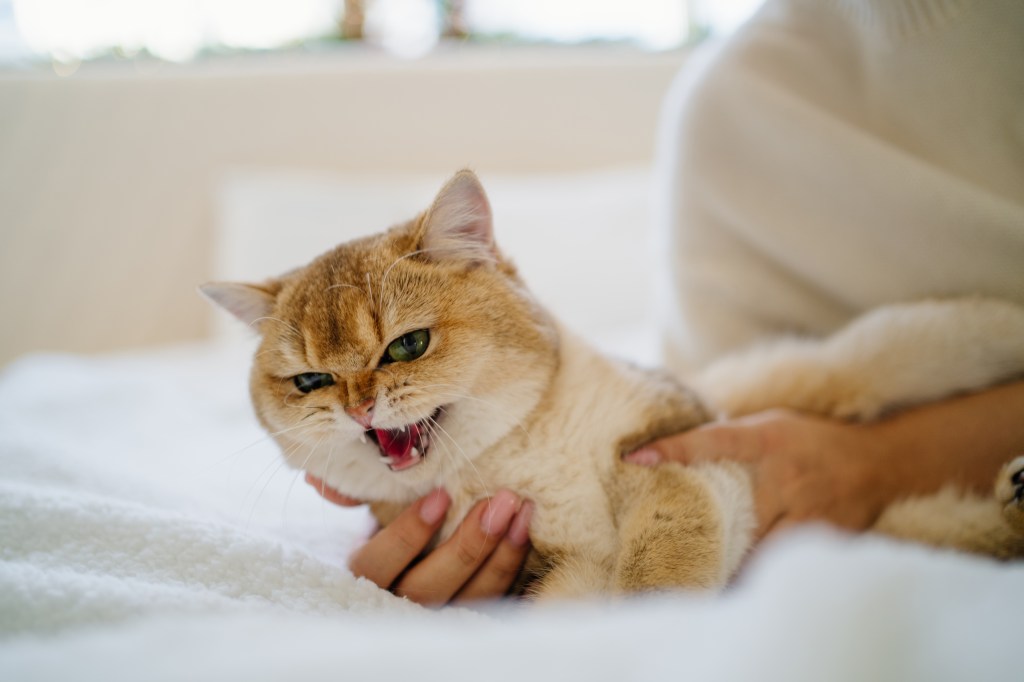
(362, 413)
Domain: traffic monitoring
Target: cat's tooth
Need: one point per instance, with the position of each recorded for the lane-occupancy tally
(362, 437)
(386, 460)
(415, 453)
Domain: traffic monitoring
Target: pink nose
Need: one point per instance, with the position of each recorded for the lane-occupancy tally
(362, 413)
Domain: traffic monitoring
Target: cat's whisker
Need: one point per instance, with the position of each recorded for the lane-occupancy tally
(348, 286)
(476, 255)
(284, 399)
(279, 321)
(256, 500)
(221, 460)
(288, 429)
(464, 396)
(274, 434)
(369, 292)
(445, 456)
(281, 464)
(232, 455)
(434, 424)
(399, 393)
(269, 436)
(384, 278)
(301, 407)
(256, 482)
(320, 408)
(323, 484)
(299, 472)
(266, 351)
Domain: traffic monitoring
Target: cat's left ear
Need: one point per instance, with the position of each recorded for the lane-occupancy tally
(458, 225)
(250, 303)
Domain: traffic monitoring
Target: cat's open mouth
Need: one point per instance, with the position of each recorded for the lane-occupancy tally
(405, 447)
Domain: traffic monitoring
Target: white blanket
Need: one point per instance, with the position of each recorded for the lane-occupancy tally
(149, 531)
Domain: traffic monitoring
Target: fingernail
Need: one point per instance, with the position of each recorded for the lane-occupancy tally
(644, 457)
(500, 510)
(519, 532)
(434, 506)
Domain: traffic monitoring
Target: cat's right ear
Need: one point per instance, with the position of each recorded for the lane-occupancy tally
(458, 225)
(250, 303)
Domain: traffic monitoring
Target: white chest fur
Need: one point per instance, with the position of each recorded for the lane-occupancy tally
(564, 456)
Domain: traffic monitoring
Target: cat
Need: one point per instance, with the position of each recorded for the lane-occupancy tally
(417, 358)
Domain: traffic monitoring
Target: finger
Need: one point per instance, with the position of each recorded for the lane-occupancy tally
(330, 494)
(499, 573)
(437, 578)
(390, 551)
(720, 440)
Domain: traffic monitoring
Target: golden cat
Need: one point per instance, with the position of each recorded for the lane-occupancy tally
(417, 358)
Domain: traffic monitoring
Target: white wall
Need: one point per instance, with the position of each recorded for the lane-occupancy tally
(108, 178)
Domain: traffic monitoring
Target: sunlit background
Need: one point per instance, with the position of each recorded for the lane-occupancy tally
(150, 145)
(178, 30)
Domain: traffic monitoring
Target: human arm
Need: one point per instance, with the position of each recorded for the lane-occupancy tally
(481, 560)
(808, 468)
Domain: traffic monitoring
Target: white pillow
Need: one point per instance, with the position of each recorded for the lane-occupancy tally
(581, 240)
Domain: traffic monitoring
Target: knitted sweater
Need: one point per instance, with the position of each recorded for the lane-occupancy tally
(835, 155)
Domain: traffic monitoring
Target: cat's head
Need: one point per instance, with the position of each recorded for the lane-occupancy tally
(393, 360)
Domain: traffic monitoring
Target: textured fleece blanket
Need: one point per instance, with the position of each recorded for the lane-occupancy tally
(149, 531)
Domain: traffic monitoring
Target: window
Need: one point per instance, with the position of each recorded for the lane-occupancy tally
(71, 30)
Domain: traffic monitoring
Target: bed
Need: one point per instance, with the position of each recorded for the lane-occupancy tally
(149, 529)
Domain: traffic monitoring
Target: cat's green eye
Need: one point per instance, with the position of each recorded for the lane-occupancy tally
(407, 347)
(310, 381)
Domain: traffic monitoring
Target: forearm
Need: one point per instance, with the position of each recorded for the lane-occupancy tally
(809, 468)
(964, 440)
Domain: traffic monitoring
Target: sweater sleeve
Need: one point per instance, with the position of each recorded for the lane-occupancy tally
(807, 174)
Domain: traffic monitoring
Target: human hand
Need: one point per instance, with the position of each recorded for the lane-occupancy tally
(481, 560)
(803, 468)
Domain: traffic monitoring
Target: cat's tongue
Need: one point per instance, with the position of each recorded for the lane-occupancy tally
(398, 444)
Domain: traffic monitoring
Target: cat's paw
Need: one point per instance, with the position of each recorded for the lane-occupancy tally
(1010, 492)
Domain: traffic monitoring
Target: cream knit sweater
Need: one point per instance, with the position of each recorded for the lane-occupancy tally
(835, 155)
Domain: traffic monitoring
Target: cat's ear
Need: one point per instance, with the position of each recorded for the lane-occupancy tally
(250, 303)
(458, 225)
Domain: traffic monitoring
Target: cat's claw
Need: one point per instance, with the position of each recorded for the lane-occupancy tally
(1015, 472)
(1010, 492)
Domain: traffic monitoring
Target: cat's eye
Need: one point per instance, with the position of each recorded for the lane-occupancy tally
(310, 381)
(407, 347)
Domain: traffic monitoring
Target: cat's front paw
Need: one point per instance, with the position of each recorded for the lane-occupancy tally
(1010, 493)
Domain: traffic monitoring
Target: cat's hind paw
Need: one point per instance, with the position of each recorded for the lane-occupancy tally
(1010, 493)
